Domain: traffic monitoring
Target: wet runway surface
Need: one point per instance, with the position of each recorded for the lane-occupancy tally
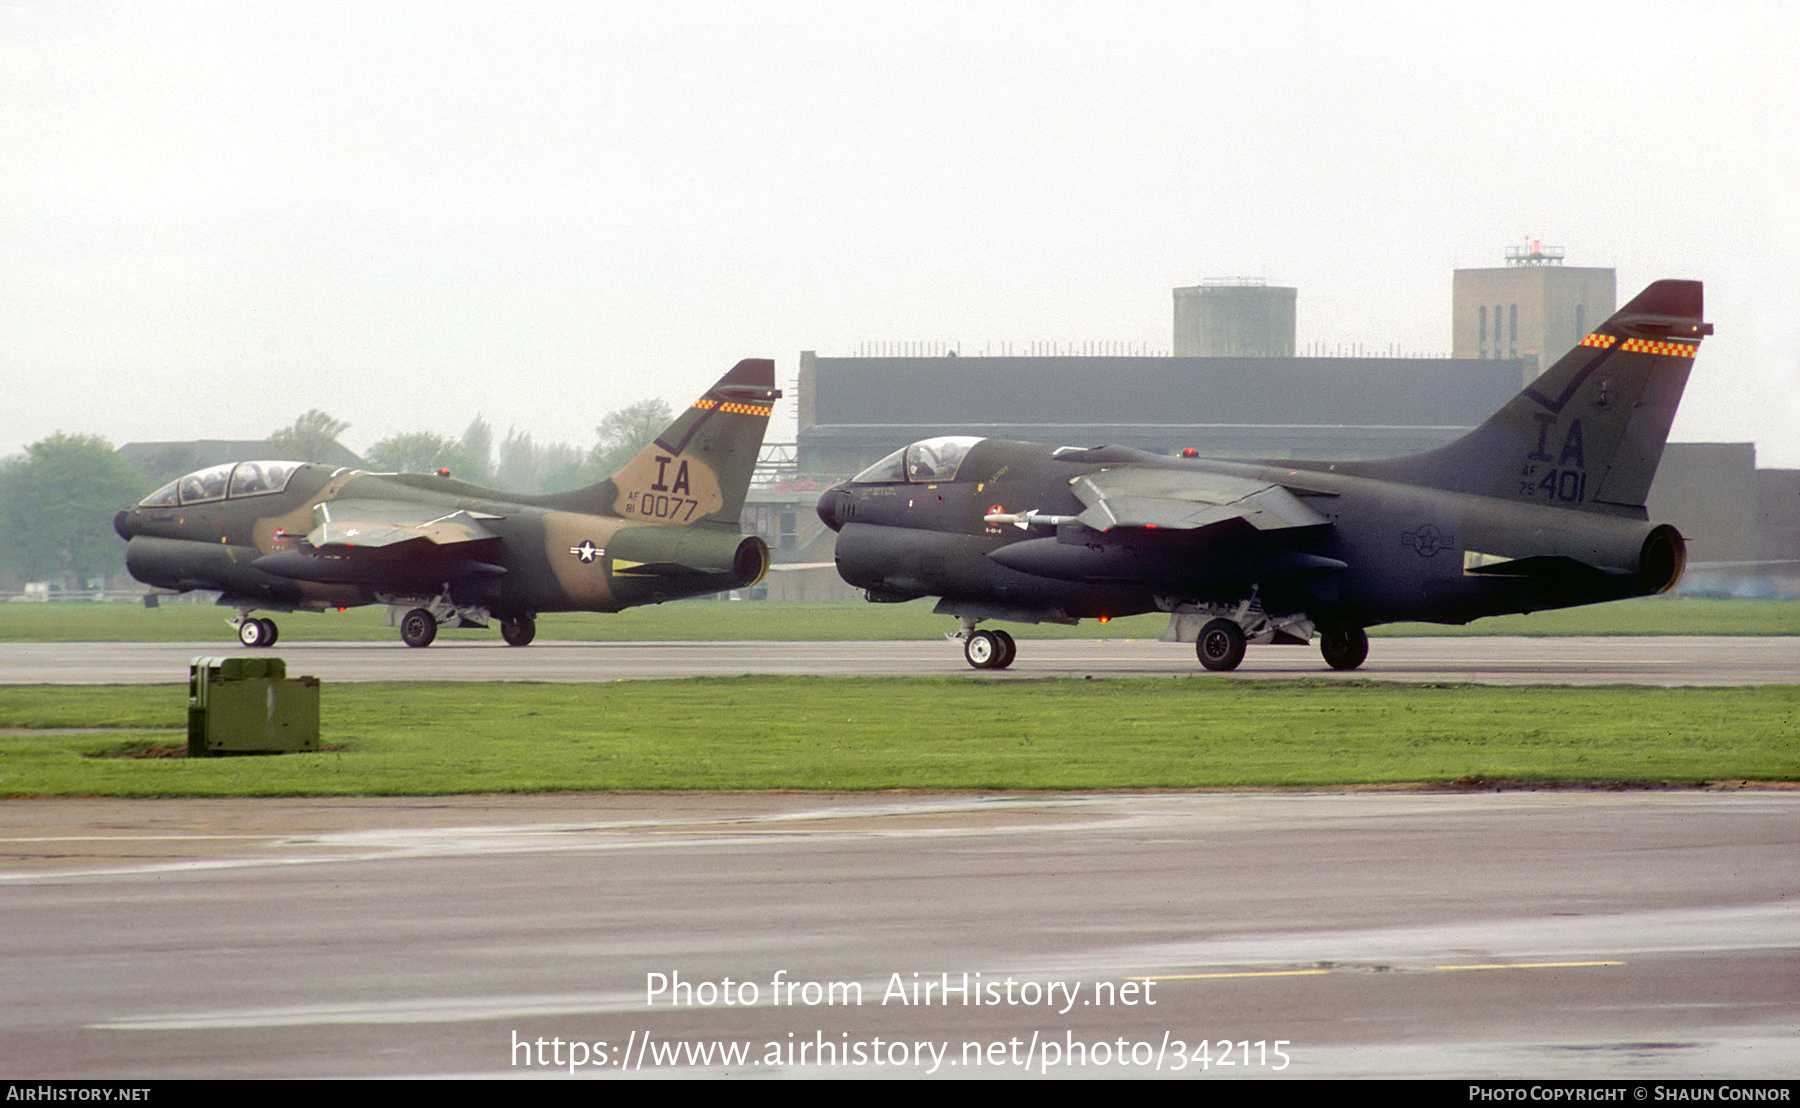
(1524, 934)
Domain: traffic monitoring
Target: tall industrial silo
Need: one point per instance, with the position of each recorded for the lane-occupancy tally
(1234, 318)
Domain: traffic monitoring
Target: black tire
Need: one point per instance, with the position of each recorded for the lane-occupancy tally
(518, 630)
(1220, 646)
(1009, 645)
(254, 633)
(274, 631)
(984, 650)
(418, 627)
(1344, 647)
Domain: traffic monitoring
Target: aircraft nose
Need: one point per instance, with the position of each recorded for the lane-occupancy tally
(122, 524)
(831, 506)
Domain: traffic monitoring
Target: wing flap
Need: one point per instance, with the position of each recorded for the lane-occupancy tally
(1187, 500)
(344, 524)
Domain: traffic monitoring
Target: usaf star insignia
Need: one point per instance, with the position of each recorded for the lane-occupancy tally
(587, 551)
(1428, 540)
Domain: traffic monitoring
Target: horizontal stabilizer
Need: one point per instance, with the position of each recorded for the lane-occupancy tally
(622, 568)
(1553, 567)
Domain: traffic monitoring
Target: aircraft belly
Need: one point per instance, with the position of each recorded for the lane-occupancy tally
(1075, 561)
(903, 562)
(227, 568)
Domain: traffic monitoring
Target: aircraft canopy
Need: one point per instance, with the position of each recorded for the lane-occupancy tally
(928, 460)
(222, 482)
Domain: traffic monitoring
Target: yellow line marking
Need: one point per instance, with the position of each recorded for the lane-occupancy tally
(1242, 973)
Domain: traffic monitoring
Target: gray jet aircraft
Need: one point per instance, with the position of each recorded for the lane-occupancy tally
(1542, 506)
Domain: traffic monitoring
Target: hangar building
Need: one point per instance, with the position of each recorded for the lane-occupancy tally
(855, 410)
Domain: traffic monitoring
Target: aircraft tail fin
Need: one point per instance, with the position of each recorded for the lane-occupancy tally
(698, 469)
(1589, 432)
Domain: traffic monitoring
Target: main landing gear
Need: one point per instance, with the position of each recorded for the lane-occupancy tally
(518, 630)
(1220, 645)
(1221, 633)
(1344, 647)
(419, 625)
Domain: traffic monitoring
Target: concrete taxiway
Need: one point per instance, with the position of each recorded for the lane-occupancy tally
(1529, 935)
(1490, 660)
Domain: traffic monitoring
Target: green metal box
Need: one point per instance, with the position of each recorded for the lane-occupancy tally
(250, 706)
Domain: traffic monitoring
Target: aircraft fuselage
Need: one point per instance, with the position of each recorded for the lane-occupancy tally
(290, 535)
(540, 559)
(1391, 552)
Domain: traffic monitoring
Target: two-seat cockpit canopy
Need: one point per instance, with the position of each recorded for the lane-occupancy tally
(222, 482)
(929, 460)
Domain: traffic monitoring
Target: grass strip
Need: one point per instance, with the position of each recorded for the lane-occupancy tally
(433, 738)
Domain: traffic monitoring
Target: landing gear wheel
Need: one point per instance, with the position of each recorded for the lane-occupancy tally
(418, 627)
(1010, 645)
(986, 650)
(1220, 645)
(274, 631)
(518, 630)
(256, 632)
(1344, 648)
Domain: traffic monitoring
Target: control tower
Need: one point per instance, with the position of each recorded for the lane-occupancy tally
(1534, 307)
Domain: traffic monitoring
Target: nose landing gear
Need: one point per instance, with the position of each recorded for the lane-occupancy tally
(254, 632)
(989, 649)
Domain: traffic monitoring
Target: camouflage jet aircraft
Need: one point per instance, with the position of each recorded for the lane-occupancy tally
(1542, 506)
(283, 536)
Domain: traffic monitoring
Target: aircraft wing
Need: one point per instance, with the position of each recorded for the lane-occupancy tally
(1187, 500)
(342, 524)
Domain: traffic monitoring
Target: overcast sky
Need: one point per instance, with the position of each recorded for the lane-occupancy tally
(214, 216)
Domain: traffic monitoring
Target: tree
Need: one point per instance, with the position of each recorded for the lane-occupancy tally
(420, 452)
(625, 433)
(309, 438)
(521, 465)
(57, 501)
(516, 464)
(561, 466)
(478, 450)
